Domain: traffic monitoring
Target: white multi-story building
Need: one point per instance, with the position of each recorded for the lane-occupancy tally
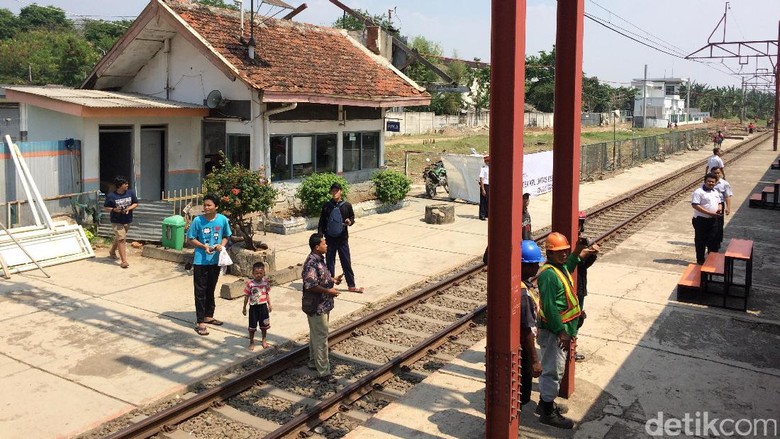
(660, 100)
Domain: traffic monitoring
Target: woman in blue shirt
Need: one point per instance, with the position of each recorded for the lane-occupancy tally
(208, 233)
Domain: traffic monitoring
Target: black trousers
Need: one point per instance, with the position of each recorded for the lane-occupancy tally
(204, 278)
(483, 202)
(526, 377)
(341, 246)
(705, 236)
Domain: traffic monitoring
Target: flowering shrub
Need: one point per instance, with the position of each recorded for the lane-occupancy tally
(241, 192)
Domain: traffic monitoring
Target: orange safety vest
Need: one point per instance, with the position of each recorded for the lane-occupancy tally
(572, 310)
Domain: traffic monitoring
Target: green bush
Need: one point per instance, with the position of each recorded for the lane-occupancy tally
(391, 186)
(314, 191)
(241, 191)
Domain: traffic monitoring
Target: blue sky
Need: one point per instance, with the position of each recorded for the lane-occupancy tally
(463, 27)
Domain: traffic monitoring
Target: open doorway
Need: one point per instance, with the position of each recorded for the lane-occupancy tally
(152, 180)
(116, 155)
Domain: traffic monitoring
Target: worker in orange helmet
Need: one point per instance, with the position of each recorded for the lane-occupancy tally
(558, 318)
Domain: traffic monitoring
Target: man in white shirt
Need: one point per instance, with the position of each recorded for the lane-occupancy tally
(715, 161)
(724, 189)
(706, 203)
(484, 180)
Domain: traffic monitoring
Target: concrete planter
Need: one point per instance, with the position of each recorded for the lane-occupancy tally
(243, 260)
(288, 226)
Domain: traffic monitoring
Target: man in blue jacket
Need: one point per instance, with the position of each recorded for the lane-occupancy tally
(336, 216)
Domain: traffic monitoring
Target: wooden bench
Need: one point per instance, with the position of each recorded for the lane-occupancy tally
(689, 285)
(739, 250)
(756, 200)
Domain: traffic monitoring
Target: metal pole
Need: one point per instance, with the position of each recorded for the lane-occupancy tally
(644, 100)
(507, 52)
(566, 135)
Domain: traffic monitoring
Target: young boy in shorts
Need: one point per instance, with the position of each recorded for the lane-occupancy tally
(256, 294)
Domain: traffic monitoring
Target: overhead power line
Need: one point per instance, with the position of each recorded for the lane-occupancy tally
(613, 28)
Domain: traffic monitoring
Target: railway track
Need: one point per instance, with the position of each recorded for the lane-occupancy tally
(380, 356)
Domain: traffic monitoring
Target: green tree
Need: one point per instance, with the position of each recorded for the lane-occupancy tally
(218, 4)
(479, 81)
(350, 22)
(540, 80)
(103, 34)
(45, 57)
(9, 24)
(43, 17)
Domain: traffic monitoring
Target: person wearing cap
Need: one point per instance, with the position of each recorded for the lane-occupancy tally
(582, 273)
(530, 367)
(526, 217)
(335, 218)
(559, 311)
(484, 181)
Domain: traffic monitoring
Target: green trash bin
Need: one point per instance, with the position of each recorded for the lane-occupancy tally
(173, 232)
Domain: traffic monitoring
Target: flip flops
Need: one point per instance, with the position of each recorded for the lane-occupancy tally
(355, 290)
(201, 331)
(214, 322)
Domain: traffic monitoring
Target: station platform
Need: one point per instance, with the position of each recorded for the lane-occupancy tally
(649, 358)
(94, 341)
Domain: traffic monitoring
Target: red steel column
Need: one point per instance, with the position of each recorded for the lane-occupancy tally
(507, 101)
(566, 132)
(777, 89)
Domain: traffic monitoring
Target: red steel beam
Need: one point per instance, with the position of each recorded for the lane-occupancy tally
(566, 134)
(507, 101)
(777, 90)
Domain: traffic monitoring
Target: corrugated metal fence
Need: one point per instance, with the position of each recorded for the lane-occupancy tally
(55, 167)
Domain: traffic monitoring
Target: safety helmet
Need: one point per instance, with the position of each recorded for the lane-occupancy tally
(556, 241)
(531, 252)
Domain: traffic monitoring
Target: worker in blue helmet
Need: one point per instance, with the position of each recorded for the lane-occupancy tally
(530, 366)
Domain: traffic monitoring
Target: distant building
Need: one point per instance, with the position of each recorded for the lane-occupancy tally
(662, 101)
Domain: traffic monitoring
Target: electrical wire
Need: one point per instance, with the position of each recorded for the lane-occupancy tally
(666, 52)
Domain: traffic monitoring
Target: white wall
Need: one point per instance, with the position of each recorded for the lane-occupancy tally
(43, 125)
(191, 75)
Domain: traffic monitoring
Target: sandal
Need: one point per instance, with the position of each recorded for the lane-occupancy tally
(113, 255)
(201, 331)
(214, 322)
(124, 265)
(355, 290)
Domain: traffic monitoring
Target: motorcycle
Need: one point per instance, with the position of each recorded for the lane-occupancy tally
(435, 176)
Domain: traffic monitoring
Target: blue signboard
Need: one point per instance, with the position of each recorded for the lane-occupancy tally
(394, 126)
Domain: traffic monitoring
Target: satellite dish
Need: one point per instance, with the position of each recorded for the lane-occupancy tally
(215, 99)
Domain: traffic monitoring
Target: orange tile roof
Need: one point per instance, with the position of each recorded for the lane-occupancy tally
(294, 58)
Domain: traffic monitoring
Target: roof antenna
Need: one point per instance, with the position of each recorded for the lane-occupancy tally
(252, 29)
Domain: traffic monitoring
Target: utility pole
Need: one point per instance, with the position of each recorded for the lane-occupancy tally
(644, 100)
(688, 103)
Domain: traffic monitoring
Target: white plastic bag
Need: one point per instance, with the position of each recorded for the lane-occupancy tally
(224, 260)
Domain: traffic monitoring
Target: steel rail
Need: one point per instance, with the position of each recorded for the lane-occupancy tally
(615, 203)
(746, 148)
(325, 409)
(201, 402)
